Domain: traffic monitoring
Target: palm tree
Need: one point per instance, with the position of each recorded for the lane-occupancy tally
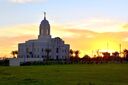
(71, 53)
(77, 59)
(77, 53)
(106, 54)
(14, 53)
(126, 54)
(115, 54)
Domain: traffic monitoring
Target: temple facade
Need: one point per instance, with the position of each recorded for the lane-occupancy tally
(44, 47)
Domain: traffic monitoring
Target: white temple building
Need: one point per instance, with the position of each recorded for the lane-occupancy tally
(45, 47)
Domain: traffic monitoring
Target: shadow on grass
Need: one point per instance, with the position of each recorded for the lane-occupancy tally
(90, 83)
(29, 80)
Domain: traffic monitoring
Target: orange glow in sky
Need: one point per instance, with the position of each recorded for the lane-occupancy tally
(87, 25)
(86, 41)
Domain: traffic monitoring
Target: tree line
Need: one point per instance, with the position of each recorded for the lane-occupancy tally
(74, 57)
(105, 58)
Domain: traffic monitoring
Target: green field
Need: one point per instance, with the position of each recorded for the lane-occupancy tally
(73, 74)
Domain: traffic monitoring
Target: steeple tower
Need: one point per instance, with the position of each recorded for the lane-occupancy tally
(44, 28)
(44, 15)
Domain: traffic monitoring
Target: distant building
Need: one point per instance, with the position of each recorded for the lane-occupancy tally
(44, 47)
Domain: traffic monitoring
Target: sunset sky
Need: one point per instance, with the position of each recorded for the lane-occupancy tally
(87, 25)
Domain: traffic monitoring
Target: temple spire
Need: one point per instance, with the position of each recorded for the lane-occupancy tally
(44, 15)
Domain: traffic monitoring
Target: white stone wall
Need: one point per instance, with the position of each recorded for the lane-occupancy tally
(33, 48)
(17, 61)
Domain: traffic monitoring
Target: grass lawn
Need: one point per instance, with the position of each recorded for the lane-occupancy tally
(73, 74)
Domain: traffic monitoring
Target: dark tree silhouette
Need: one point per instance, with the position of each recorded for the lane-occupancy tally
(125, 52)
(77, 53)
(77, 58)
(115, 54)
(106, 56)
(71, 52)
(14, 53)
(86, 59)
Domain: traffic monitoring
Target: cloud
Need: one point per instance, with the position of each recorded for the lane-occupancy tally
(25, 1)
(84, 40)
(18, 30)
(99, 25)
(125, 26)
(10, 43)
(10, 36)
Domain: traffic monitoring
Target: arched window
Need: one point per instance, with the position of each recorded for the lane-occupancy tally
(57, 50)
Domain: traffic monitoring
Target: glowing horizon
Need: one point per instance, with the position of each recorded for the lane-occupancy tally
(87, 25)
(85, 41)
